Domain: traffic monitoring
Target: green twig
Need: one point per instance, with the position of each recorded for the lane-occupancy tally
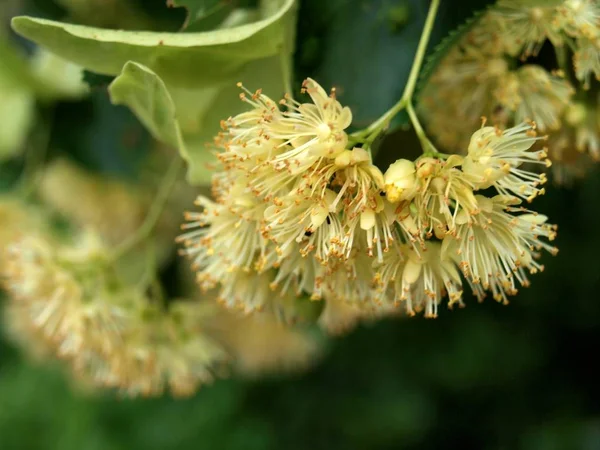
(368, 135)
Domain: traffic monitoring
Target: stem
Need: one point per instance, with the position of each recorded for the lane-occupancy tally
(421, 49)
(426, 145)
(368, 135)
(156, 209)
(286, 70)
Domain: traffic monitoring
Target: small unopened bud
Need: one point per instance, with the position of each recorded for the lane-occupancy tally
(398, 179)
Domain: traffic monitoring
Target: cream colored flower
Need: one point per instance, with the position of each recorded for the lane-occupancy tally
(301, 219)
(340, 316)
(224, 238)
(587, 60)
(495, 157)
(497, 248)
(543, 96)
(427, 277)
(165, 350)
(18, 217)
(580, 18)
(526, 28)
(444, 191)
(576, 145)
(316, 128)
(66, 296)
(112, 208)
(400, 180)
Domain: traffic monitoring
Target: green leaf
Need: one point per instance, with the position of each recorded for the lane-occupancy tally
(163, 110)
(56, 77)
(146, 94)
(17, 101)
(180, 59)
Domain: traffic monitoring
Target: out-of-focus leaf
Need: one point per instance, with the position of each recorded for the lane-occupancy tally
(16, 116)
(198, 9)
(16, 100)
(57, 77)
(184, 59)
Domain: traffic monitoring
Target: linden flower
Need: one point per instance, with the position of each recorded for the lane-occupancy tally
(400, 180)
(496, 248)
(300, 219)
(92, 201)
(318, 127)
(577, 144)
(494, 159)
(444, 191)
(544, 97)
(339, 316)
(65, 301)
(220, 229)
(247, 291)
(580, 18)
(467, 69)
(421, 280)
(350, 280)
(587, 60)
(163, 350)
(357, 180)
(526, 28)
(300, 273)
(16, 216)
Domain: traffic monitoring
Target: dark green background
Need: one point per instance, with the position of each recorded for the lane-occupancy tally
(522, 376)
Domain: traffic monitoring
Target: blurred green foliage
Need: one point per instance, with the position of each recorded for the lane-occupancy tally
(522, 376)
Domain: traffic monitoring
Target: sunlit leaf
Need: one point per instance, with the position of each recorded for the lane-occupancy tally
(147, 96)
(184, 59)
(163, 110)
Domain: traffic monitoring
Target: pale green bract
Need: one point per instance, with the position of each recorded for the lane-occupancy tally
(180, 85)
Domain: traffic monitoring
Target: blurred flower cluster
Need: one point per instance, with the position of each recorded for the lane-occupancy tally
(501, 61)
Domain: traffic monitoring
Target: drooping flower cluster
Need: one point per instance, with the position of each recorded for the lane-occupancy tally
(64, 303)
(485, 63)
(299, 212)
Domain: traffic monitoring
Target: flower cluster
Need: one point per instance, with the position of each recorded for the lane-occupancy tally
(297, 211)
(64, 302)
(485, 62)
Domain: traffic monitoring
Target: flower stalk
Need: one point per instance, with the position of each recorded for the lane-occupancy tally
(369, 134)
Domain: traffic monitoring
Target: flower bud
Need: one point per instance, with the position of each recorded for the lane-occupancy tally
(399, 180)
